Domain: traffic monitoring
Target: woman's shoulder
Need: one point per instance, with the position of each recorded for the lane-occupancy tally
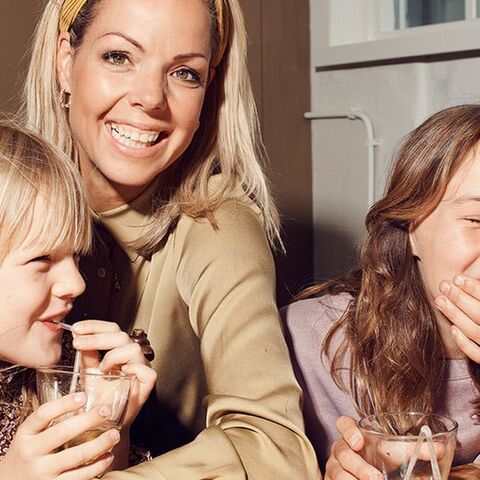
(235, 217)
(227, 203)
(232, 241)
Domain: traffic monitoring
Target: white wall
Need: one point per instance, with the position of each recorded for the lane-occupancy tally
(397, 98)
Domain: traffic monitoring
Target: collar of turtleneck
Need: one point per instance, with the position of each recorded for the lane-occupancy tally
(127, 222)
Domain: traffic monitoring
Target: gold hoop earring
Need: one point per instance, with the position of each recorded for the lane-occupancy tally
(65, 99)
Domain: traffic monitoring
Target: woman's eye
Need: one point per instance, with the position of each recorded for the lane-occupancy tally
(116, 57)
(188, 75)
(473, 220)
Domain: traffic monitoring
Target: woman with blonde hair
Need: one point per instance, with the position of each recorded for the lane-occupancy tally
(152, 100)
(401, 333)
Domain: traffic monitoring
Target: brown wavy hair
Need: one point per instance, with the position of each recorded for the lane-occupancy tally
(389, 331)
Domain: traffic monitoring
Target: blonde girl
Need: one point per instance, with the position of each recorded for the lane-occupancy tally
(152, 100)
(44, 226)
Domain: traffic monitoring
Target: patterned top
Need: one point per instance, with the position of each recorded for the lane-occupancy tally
(11, 404)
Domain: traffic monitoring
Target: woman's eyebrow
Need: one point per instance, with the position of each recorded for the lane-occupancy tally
(126, 37)
(183, 56)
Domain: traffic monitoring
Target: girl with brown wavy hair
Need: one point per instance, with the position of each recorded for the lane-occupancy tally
(401, 332)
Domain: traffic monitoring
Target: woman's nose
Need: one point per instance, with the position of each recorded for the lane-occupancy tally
(69, 282)
(149, 92)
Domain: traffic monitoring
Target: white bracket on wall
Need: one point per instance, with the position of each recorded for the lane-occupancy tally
(372, 142)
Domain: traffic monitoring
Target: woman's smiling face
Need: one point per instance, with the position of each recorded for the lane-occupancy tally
(137, 85)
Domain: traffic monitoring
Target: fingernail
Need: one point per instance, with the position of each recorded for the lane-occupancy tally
(445, 287)
(441, 302)
(105, 411)
(355, 440)
(109, 459)
(79, 397)
(115, 435)
(78, 342)
(374, 476)
(454, 331)
(459, 280)
(77, 328)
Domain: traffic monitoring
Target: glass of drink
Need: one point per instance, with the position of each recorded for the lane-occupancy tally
(110, 388)
(396, 444)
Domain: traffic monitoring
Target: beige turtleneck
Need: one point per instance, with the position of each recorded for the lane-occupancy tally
(207, 301)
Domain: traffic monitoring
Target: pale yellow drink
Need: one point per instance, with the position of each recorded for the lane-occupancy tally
(90, 435)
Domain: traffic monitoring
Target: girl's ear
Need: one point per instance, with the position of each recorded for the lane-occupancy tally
(64, 61)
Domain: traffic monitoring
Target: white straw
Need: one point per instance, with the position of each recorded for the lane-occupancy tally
(431, 447)
(425, 434)
(413, 458)
(65, 326)
(76, 371)
(76, 363)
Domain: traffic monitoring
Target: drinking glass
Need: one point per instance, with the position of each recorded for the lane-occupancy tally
(101, 388)
(392, 439)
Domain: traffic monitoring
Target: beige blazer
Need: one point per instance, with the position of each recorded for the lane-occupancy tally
(207, 302)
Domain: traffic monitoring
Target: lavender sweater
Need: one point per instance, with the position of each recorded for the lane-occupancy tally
(307, 323)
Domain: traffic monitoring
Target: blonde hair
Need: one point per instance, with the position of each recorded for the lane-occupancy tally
(227, 142)
(31, 170)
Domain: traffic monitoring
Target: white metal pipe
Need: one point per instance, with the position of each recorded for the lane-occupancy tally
(470, 9)
(402, 15)
(372, 142)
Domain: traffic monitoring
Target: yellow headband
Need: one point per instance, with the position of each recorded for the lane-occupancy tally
(70, 9)
(222, 32)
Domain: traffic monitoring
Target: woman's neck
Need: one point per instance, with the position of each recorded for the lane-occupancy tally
(102, 200)
(103, 195)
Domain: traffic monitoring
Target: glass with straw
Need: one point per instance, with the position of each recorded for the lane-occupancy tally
(410, 446)
(101, 388)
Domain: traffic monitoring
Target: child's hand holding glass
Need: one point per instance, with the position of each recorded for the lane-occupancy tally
(122, 353)
(35, 452)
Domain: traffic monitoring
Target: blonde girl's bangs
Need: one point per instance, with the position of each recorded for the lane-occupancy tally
(33, 174)
(66, 220)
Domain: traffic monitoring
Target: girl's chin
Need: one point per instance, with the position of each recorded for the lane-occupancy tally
(47, 360)
(38, 363)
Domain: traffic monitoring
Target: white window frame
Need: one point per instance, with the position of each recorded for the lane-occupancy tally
(434, 39)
